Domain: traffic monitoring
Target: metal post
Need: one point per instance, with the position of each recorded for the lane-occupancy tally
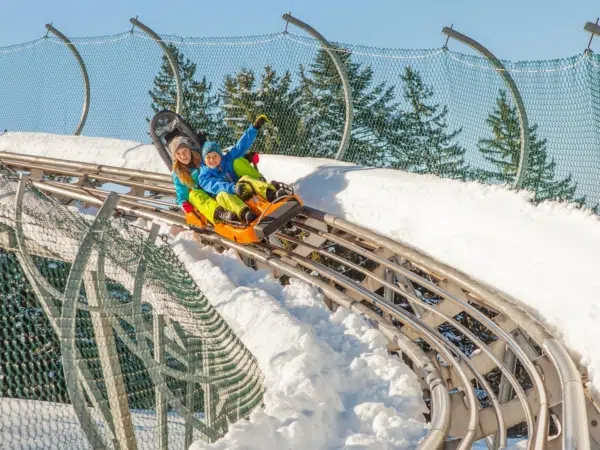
(84, 74)
(209, 398)
(161, 402)
(68, 314)
(575, 433)
(343, 75)
(505, 389)
(512, 87)
(170, 57)
(111, 367)
(189, 395)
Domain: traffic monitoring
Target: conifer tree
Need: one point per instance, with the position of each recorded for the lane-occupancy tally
(244, 98)
(322, 107)
(429, 146)
(201, 107)
(503, 150)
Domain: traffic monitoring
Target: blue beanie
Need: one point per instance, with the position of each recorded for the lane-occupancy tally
(210, 147)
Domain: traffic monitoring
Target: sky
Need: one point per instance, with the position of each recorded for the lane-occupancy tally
(512, 29)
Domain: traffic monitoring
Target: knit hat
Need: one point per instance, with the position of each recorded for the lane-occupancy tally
(180, 142)
(210, 147)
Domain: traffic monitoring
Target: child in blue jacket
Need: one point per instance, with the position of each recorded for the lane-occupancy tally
(230, 179)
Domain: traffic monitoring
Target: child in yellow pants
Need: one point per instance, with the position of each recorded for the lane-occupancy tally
(207, 205)
(231, 179)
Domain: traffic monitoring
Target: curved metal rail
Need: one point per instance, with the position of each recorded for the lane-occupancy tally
(84, 74)
(411, 298)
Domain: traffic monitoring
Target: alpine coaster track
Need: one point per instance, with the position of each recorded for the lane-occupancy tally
(409, 296)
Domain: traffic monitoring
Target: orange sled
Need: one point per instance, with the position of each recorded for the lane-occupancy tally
(271, 217)
(164, 126)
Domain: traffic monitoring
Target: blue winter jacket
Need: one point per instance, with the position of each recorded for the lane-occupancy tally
(181, 190)
(223, 178)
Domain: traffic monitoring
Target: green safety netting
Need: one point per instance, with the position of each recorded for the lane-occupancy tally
(106, 341)
(429, 111)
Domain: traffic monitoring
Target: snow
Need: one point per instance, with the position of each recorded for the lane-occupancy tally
(545, 256)
(52, 426)
(330, 382)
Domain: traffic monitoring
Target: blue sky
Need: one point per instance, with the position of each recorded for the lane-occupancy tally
(513, 29)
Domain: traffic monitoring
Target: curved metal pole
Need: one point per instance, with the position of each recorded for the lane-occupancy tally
(343, 75)
(170, 57)
(512, 87)
(84, 74)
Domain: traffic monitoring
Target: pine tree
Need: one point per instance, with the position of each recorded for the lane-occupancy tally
(244, 99)
(428, 146)
(503, 151)
(322, 108)
(200, 107)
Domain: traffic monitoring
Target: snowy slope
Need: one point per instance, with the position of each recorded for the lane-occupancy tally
(545, 256)
(112, 152)
(329, 380)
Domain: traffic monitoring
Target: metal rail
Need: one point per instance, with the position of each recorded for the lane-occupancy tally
(556, 383)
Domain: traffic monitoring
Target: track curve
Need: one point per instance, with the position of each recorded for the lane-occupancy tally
(506, 370)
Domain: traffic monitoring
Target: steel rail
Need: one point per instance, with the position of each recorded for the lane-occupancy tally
(439, 394)
(575, 426)
(480, 344)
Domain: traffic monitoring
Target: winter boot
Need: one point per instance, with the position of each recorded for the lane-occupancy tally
(223, 215)
(278, 184)
(248, 215)
(274, 195)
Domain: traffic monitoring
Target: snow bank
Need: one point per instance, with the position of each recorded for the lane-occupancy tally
(545, 256)
(329, 380)
(112, 152)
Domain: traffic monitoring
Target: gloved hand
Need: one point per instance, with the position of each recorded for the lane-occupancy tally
(260, 121)
(187, 207)
(244, 190)
(252, 157)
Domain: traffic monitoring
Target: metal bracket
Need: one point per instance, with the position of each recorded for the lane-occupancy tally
(594, 29)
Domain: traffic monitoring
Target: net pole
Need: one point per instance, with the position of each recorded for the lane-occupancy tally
(170, 58)
(84, 74)
(161, 402)
(111, 368)
(343, 75)
(512, 87)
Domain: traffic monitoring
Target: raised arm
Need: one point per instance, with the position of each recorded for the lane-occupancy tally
(247, 139)
(244, 143)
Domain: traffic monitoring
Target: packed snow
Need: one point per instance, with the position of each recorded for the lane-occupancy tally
(545, 256)
(330, 382)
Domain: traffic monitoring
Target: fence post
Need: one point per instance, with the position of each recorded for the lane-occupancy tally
(161, 402)
(343, 75)
(512, 87)
(170, 57)
(84, 74)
